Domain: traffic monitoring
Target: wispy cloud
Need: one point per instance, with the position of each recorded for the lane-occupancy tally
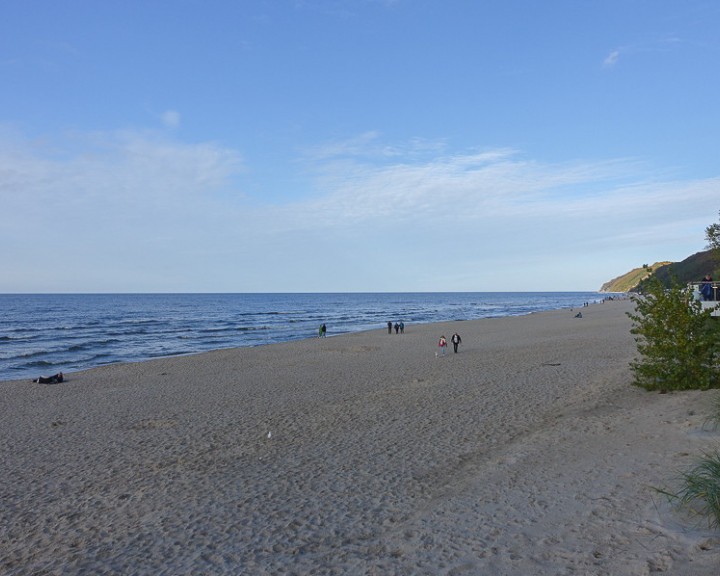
(611, 59)
(663, 45)
(470, 189)
(94, 178)
(171, 118)
(129, 206)
(370, 145)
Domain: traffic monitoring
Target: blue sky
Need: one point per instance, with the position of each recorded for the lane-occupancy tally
(364, 145)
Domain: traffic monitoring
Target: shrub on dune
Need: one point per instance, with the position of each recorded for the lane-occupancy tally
(678, 340)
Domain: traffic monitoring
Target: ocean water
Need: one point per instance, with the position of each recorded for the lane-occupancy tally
(47, 333)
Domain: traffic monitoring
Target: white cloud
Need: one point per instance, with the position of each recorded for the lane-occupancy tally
(114, 197)
(171, 119)
(611, 59)
(649, 47)
(462, 187)
(131, 211)
(369, 145)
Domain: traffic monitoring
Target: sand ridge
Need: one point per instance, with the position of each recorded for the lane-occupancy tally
(526, 453)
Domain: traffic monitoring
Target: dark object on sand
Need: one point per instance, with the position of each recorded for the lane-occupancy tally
(56, 379)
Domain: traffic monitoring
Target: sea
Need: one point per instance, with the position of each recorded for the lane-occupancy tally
(41, 334)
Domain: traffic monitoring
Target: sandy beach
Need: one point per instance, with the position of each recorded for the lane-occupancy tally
(528, 452)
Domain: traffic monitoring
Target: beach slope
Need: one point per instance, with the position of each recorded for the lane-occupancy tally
(528, 452)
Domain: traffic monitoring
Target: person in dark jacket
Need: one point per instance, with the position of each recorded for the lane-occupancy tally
(455, 339)
(706, 287)
(55, 379)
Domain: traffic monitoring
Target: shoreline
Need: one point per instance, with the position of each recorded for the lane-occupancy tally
(529, 452)
(79, 332)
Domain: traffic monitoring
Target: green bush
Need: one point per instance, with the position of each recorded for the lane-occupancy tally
(678, 341)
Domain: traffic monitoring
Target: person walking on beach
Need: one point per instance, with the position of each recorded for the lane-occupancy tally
(455, 339)
(443, 344)
(323, 331)
(389, 327)
(402, 327)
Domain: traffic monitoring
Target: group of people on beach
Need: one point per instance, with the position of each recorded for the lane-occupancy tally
(399, 327)
(455, 339)
(322, 333)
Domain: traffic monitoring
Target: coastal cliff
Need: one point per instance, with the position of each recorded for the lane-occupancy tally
(630, 280)
(693, 268)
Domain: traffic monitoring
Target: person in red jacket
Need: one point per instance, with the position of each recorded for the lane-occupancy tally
(443, 344)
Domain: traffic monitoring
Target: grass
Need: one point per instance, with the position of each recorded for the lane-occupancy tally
(713, 421)
(700, 489)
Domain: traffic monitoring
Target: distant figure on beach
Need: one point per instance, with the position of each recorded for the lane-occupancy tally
(323, 331)
(455, 339)
(706, 287)
(56, 379)
(397, 327)
(443, 344)
(389, 327)
(578, 315)
(402, 327)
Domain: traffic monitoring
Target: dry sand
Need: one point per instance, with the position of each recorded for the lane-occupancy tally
(529, 452)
